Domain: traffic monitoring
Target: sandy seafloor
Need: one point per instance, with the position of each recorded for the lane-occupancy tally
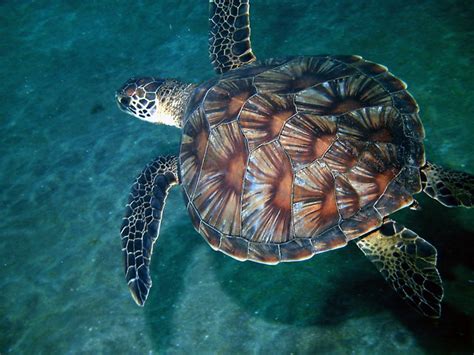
(68, 157)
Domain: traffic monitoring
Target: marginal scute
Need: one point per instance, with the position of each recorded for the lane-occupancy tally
(405, 103)
(363, 222)
(300, 73)
(413, 127)
(193, 148)
(410, 178)
(333, 238)
(349, 59)
(263, 116)
(211, 235)
(414, 153)
(218, 192)
(296, 250)
(224, 101)
(236, 247)
(395, 196)
(391, 83)
(342, 95)
(265, 253)
(314, 207)
(307, 137)
(266, 203)
(370, 68)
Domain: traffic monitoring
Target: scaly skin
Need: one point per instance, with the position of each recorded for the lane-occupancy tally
(155, 100)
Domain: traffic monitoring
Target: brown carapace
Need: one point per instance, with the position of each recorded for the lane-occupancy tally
(284, 159)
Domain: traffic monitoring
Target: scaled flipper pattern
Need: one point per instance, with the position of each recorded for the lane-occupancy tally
(408, 263)
(229, 34)
(451, 188)
(141, 224)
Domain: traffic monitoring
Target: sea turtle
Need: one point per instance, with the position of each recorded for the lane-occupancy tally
(282, 159)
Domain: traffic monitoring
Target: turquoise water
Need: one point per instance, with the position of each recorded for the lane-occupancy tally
(68, 157)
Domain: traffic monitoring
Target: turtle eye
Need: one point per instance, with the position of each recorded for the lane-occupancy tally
(124, 100)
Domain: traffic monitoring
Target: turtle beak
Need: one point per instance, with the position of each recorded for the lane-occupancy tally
(123, 102)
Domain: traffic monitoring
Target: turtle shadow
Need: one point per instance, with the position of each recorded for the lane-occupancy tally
(319, 291)
(168, 270)
(332, 288)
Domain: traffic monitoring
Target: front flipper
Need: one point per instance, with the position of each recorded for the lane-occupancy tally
(408, 263)
(451, 188)
(141, 224)
(229, 34)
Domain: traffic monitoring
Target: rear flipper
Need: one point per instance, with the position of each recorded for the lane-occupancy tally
(451, 188)
(408, 263)
(141, 224)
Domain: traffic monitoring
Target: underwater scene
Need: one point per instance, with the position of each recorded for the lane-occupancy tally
(69, 156)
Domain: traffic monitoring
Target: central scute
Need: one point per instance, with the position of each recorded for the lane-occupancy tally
(287, 158)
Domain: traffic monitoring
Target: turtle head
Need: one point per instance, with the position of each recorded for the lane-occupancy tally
(160, 101)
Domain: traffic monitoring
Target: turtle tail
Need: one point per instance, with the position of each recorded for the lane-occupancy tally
(449, 187)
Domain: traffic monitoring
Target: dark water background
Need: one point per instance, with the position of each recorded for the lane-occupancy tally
(68, 157)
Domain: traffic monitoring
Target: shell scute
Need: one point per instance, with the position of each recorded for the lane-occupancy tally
(218, 193)
(380, 124)
(266, 253)
(363, 222)
(198, 96)
(267, 194)
(193, 148)
(300, 73)
(296, 250)
(413, 127)
(333, 238)
(307, 137)
(370, 68)
(212, 236)
(224, 101)
(236, 247)
(390, 82)
(263, 117)
(194, 214)
(284, 159)
(349, 59)
(343, 154)
(395, 196)
(347, 198)
(315, 208)
(374, 171)
(343, 95)
(405, 103)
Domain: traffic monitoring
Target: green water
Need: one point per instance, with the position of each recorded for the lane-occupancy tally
(68, 157)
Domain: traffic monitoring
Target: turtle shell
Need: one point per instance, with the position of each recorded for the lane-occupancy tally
(284, 159)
